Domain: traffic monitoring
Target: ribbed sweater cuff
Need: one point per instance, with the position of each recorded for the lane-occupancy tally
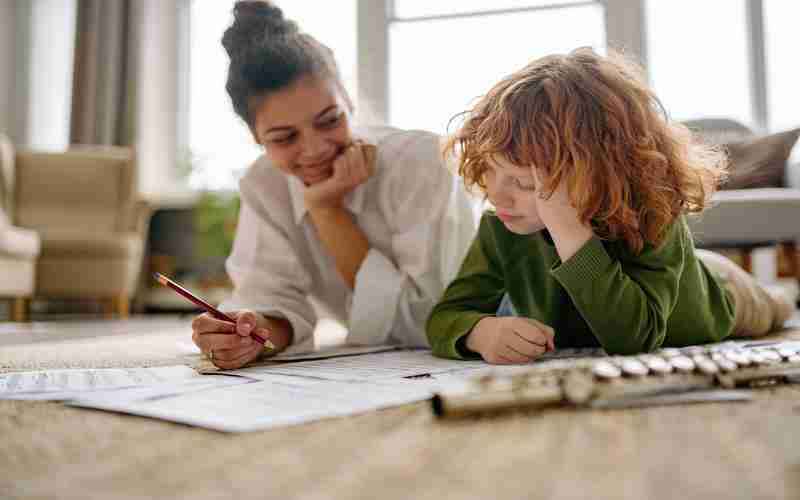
(456, 346)
(588, 263)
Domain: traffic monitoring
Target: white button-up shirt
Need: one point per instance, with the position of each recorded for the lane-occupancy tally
(416, 215)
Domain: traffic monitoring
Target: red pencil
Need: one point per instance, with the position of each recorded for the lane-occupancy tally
(213, 311)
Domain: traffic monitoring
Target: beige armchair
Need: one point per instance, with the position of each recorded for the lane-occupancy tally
(83, 204)
(19, 247)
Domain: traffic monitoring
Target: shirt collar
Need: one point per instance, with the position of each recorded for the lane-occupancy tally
(354, 201)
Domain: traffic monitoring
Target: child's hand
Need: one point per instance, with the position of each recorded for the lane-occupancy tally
(556, 211)
(562, 220)
(352, 168)
(510, 340)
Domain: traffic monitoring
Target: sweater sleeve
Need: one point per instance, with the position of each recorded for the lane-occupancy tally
(475, 293)
(626, 300)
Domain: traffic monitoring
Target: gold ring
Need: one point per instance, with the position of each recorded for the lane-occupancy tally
(210, 355)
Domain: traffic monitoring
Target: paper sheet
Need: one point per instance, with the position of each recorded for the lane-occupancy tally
(337, 351)
(376, 366)
(69, 383)
(334, 352)
(304, 391)
(279, 401)
(393, 364)
(161, 390)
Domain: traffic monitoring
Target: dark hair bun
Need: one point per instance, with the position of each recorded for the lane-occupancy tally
(254, 22)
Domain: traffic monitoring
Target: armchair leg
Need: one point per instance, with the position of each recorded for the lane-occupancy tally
(119, 305)
(123, 306)
(19, 309)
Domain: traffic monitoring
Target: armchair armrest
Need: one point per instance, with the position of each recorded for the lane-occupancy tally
(140, 222)
(19, 242)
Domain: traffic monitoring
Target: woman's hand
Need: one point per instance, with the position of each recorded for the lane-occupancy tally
(561, 219)
(510, 340)
(352, 168)
(230, 346)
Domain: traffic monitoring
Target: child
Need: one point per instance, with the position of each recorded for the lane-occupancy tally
(590, 183)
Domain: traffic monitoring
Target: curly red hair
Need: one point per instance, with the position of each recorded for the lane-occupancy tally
(592, 122)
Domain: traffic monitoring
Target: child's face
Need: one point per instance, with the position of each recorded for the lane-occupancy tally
(512, 191)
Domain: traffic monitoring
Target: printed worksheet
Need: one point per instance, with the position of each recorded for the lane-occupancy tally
(334, 352)
(374, 366)
(277, 401)
(162, 390)
(387, 365)
(305, 391)
(69, 383)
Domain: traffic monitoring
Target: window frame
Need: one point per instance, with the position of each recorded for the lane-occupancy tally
(625, 29)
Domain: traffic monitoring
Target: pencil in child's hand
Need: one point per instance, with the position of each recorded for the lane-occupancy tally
(213, 311)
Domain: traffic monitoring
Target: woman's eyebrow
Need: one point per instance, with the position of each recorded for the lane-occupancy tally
(324, 112)
(282, 128)
(279, 128)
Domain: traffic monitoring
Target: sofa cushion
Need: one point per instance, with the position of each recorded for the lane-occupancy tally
(760, 162)
(62, 243)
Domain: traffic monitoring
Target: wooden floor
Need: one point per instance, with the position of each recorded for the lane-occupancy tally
(709, 451)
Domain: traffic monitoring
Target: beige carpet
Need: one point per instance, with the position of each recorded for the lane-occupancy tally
(96, 344)
(48, 450)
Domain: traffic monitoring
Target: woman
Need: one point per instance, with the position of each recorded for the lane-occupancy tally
(365, 221)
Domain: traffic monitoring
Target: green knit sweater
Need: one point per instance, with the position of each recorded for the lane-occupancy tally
(604, 295)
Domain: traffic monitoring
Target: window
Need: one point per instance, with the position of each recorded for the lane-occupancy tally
(439, 65)
(783, 70)
(220, 144)
(698, 58)
(426, 8)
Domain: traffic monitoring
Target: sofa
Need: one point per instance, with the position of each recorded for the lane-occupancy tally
(760, 203)
(19, 248)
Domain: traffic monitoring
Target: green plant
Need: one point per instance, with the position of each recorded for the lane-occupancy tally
(215, 217)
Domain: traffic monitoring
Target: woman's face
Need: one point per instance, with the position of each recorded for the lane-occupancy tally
(304, 127)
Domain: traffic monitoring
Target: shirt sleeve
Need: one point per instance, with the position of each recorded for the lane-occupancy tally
(641, 290)
(267, 274)
(473, 295)
(432, 222)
